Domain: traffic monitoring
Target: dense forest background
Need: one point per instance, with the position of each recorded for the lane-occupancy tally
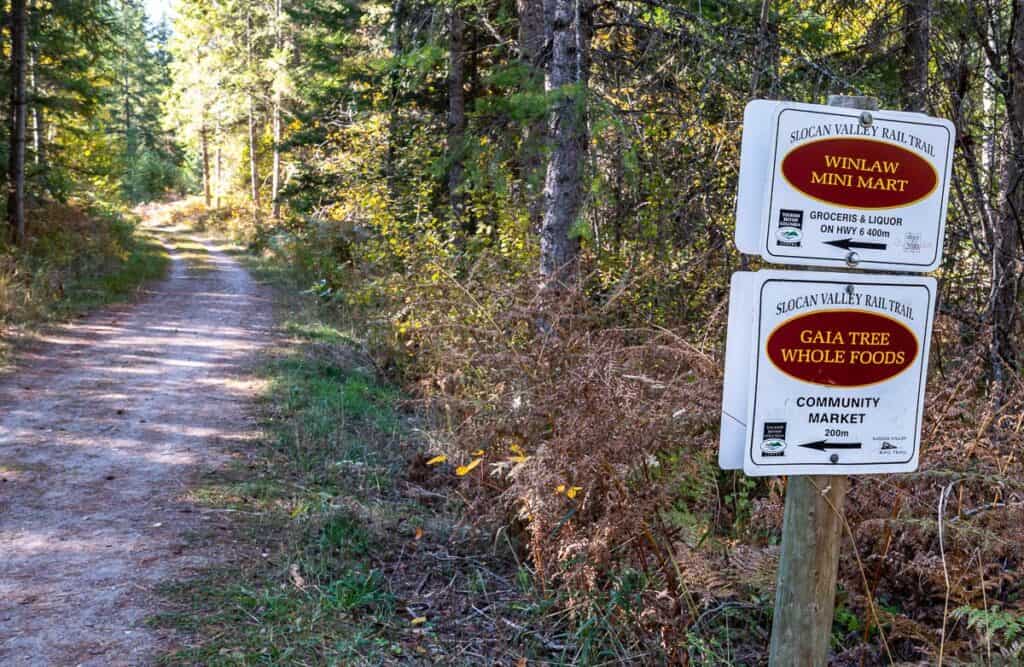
(529, 205)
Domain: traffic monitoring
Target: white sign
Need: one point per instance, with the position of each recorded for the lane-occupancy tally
(832, 186)
(833, 382)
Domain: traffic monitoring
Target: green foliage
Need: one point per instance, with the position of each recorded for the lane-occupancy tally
(74, 261)
(1004, 626)
(358, 591)
(97, 73)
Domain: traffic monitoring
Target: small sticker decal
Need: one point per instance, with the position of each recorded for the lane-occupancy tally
(791, 228)
(774, 442)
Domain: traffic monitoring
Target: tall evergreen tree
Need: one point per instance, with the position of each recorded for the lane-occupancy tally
(19, 112)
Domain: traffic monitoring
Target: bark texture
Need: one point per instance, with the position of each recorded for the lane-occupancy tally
(1006, 241)
(917, 37)
(204, 143)
(38, 120)
(533, 54)
(394, 94)
(766, 55)
(254, 177)
(567, 75)
(275, 182)
(19, 109)
(219, 166)
(456, 113)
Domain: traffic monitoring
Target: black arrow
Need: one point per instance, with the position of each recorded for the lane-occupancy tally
(822, 445)
(846, 244)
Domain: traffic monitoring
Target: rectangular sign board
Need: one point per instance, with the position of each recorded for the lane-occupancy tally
(835, 376)
(821, 185)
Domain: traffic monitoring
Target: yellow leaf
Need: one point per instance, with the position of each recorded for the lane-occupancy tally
(464, 470)
(437, 459)
(419, 620)
(478, 452)
(518, 459)
(573, 490)
(516, 449)
(560, 488)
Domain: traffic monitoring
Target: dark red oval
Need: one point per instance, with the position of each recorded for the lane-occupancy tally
(842, 348)
(860, 173)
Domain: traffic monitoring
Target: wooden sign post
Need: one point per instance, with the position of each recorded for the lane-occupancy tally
(812, 531)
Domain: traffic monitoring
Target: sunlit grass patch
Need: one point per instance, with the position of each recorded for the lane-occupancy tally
(257, 622)
(318, 331)
(197, 257)
(307, 590)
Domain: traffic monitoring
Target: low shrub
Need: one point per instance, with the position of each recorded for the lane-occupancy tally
(75, 257)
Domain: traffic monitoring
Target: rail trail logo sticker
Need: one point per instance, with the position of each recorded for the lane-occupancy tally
(859, 173)
(842, 348)
(791, 228)
(774, 442)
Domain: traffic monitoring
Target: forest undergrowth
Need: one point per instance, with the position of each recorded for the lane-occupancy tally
(77, 257)
(588, 445)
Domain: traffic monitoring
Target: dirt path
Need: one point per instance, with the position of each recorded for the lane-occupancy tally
(102, 429)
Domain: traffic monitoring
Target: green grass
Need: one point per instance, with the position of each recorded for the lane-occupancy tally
(146, 259)
(314, 593)
(332, 562)
(196, 255)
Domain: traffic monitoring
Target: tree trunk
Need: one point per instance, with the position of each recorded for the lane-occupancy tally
(38, 121)
(531, 54)
(567, 75)
(204, 143)
(916, 31)
(219, 166)
(275, 187)
(254, 178)
(456, 114)
(391, 156)
(126, 111)
(275, 183)
(763, 47)
(16, 166)
(1006, 239)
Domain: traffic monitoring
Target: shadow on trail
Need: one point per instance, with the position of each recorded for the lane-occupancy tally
(103, 425)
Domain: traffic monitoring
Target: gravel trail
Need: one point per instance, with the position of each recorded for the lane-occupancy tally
(104, 426)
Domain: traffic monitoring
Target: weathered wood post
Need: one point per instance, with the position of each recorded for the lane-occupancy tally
(812, 531)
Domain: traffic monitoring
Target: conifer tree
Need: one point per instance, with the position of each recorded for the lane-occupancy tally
(19, 110)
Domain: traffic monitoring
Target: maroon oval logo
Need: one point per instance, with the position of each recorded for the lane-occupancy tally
(842, 348)
(860, 173)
